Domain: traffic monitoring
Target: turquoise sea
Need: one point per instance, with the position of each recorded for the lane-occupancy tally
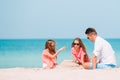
(27, 52)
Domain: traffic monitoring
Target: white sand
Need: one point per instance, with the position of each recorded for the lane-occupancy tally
(66, 71)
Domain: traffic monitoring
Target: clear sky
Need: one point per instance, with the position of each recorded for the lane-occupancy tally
(21, 19)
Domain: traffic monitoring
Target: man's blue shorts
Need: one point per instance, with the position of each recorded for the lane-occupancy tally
(101, 66)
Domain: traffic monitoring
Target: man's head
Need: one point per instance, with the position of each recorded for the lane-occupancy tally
(91, 34)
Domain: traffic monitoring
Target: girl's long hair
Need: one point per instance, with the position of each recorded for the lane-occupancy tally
(48, 45)
(86, 58)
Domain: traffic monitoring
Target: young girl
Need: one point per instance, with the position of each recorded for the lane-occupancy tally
(79, 53)
(49, 55)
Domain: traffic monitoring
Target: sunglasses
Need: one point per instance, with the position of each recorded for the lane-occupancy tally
(76, 44)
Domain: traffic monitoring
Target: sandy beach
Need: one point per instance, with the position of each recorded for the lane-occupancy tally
(67, 70)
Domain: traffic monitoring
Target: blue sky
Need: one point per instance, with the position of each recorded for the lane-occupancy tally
(21, 19)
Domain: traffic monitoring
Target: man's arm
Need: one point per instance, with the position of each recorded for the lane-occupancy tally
(94, 61)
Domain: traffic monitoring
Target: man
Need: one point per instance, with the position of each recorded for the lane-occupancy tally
(103, 54)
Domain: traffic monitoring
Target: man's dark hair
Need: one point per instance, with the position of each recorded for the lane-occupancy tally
(90, 30)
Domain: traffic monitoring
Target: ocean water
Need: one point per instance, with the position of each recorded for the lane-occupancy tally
(27, 52)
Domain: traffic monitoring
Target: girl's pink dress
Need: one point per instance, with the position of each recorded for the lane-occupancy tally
(79, 54)
(48, 61)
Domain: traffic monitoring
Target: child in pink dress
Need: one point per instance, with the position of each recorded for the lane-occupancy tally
(79, 53)
(49, 55)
